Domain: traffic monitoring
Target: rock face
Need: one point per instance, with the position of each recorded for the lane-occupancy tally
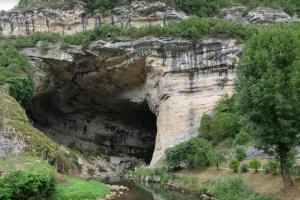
(258, 15)
(66, 22)
(131, 95)
(10, 147)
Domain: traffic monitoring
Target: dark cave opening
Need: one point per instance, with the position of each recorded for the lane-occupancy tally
(114, 127)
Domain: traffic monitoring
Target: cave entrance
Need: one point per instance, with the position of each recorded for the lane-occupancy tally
(114, 127)
(131, 129)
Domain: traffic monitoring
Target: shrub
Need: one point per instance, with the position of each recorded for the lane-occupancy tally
(243, 168)
(240, 153)
(193, 28)
(241, 138)
(271, 167)
(203, 188)
(230, 188)
(194, 153)
(226, 104)
(44, 47)
(204, 130)
(234, 188)
(27, 185)
(234, 165)
(255, 164)
(21, 89)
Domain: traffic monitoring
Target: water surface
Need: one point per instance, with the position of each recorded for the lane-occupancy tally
(140, 191)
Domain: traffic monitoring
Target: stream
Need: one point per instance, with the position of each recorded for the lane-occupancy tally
(142, 191)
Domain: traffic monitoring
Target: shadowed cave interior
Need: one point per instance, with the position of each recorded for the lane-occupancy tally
(111, 127)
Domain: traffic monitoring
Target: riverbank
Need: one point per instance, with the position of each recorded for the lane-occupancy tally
(226, 186)
(261, 182)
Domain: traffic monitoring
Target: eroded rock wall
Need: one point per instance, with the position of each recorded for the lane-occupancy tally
(259, 15)
(66, 22)
(98, 88)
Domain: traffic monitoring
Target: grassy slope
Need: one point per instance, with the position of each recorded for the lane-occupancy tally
(37, 143)
(67, 188)
(15, 117)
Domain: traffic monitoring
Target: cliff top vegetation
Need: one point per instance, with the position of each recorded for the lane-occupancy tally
(201, 8)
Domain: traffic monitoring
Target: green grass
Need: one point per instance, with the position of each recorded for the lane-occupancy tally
(71, 189)
(234, 188)
(78, 189)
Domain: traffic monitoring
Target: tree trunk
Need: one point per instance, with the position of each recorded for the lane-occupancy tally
(285, 171)
(112, 17)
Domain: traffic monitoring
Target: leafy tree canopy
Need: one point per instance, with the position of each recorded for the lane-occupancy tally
(268, 94)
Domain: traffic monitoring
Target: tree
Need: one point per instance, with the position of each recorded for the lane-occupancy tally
(268, 95)
(217, 158)
(194, 153)
(234, 165)
(240, 153)
(255, 164)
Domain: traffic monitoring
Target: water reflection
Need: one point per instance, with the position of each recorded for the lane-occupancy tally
(140, 191)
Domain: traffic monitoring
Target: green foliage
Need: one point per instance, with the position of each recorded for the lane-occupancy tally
(203, 8)
(271, 167)
(28, 185)
(193, 28)
(205, 124)
(225, 125)
(241, 138)
(79, 189)
(193, 153)
(244, 167)
(27, 4)
(203, 188)
(217, 158)
(15, 67)
(226, 104)
(295, 171)
(103, 5)
(21, 89)
(255, 164)
(234, 188)
(240, 153)
(234, 165)
(44, 47)
(268, 94)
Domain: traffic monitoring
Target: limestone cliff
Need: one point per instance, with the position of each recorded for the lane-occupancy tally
(66, 22)
(131, 95)
(137, 14)
(259, 15)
